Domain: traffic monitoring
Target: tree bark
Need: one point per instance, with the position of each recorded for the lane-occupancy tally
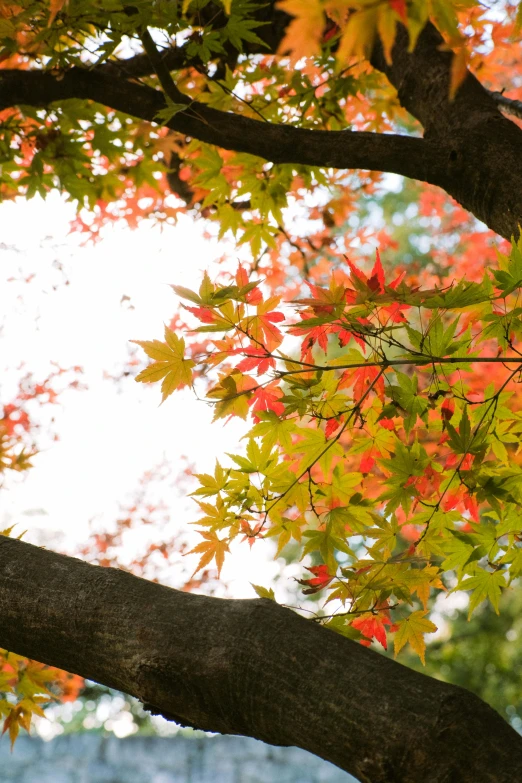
(249, 667)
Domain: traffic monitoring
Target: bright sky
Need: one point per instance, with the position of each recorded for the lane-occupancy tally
(109, 435)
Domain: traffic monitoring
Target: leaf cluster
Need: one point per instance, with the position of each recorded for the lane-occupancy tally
(372, 450)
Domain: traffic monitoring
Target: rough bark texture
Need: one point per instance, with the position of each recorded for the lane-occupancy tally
(250, 667)
(470, 149)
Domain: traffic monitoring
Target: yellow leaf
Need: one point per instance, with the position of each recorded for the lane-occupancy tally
(518, 19)
(282, 541)
(232, 394)
(459, 69)
(387, 25)
(304, 33)
(169, 365)
(412, 630)
(264, 592)
(359, 35)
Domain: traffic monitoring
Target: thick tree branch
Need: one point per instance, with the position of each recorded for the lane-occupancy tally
(252, 668)
(470, 149)
(405, 155)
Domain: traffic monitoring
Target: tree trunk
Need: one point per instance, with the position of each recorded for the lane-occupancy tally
(250, 667)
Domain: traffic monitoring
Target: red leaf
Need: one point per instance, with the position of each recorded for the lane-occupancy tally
(272, 336)
(274, 316)
(203, 313)
(400, 7)
(361, 379)
(264, 399)
(314, 334)
(321, 578)
(471, 505)
(372, 626)
(376, 279)
(331, 426)
(356, 272)
(447, 409)
(345, 336)
(452, 500)
(254, 296)
(256, 359)
(367, 462)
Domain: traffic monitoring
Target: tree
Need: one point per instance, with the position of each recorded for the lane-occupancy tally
(377, 439)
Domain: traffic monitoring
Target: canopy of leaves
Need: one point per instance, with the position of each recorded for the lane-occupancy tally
(383, 410)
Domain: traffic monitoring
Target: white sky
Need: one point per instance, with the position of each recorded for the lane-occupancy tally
(108, 436)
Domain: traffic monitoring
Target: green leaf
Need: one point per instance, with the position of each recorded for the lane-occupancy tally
(264, 592)
(164, 116)
(485, 584)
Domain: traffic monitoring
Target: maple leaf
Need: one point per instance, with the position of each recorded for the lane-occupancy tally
(412, 630)
(471, 506)
(55, 6)
(304, 33)
(266, 399)
(261, 328)
(372, 626)
(361, 378)
(321, 578)
(485, 584)
(264, 592)
(447, 409)
(327, 301)
(367, 462)
(400, 7)
(253, 296)
(315, 334)
(376, 279)
(214, 319)
(169, 365)
(375, 284)
(459, 68)
(20, 716)
(232, 394)
(212, 548)
(256, 359)
(344, 335)
(332, 426)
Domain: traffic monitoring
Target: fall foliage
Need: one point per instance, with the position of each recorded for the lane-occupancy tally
(367, 329)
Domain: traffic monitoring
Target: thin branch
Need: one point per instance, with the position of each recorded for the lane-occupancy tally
(509, 105)
(161, 70)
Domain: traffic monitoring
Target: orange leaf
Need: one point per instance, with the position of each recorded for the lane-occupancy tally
(212, 549)
(459, 69)
(55, 6)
